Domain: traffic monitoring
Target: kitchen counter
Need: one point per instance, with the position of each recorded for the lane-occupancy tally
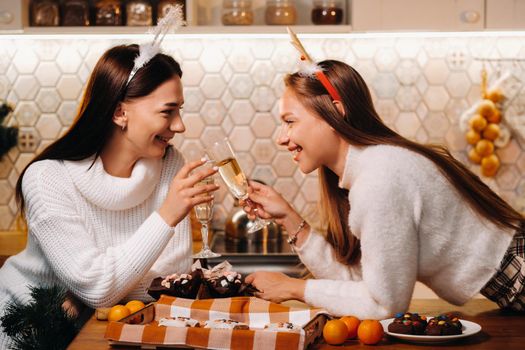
(11, 243)
(500, 330)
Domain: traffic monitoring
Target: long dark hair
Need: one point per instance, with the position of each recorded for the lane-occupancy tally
(362, 126)
(107, 87)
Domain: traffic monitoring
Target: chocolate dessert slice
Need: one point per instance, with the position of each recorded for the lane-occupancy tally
(444, 324)
(408, 323)
(182, 286)
(225, 286)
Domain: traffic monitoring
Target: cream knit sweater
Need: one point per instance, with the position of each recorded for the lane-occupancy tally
(97, 235)
(413, 226)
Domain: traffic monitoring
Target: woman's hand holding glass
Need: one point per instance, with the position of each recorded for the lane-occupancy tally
(272, 205)
(183, 195)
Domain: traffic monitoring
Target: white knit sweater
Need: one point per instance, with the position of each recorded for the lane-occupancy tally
(413, 226)
(97, 235)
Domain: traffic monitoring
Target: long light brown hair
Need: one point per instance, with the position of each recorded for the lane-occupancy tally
(107, 87)
(362, 126)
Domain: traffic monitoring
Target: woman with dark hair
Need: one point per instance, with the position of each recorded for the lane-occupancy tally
(395, 211)
(106, 204)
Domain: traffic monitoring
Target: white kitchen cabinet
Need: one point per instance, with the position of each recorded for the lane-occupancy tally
(204, 16)
(448, 15)
(505, 14)
(13, 14)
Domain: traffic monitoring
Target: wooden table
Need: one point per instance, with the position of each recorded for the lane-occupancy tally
(500, 330)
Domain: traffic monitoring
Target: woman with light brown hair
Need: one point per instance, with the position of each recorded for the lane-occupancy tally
(395, 211)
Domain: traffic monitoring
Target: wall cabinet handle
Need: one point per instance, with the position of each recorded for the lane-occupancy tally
(470, 16)
(6, 17)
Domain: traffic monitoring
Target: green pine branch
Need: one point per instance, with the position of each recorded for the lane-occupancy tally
(42, 323)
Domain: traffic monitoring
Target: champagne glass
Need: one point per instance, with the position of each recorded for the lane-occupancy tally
(204, 213)
(222, 154)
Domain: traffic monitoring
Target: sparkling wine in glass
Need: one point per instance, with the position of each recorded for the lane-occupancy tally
(204, 213)
(233, 176)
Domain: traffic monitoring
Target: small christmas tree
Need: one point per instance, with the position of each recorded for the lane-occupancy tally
(8, 135)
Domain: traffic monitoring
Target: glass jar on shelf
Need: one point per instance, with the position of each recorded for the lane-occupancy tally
(108, 13)
(327, 12)
(45, 13)
(139, 13)
(237, 12)
(280, 12)
(75, 13)
(164, 5)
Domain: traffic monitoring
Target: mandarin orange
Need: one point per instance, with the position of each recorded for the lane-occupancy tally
(335, 332)
(352, 323)
(117, 313)
(134, 306)
(370, 332)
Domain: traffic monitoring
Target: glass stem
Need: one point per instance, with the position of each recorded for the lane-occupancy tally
(204, 233)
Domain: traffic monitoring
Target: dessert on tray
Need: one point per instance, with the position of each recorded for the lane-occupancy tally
(225, 324)
(282, 327)
(218, 282)
(183, 286)
(179, 321)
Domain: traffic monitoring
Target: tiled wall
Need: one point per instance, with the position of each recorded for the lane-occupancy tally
(421, 85)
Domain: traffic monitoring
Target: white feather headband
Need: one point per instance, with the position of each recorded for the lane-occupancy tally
(173, 20)
(309, 68)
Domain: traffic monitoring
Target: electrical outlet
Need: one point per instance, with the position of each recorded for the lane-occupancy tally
(28, 139)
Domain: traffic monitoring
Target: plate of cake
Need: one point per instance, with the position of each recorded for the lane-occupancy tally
(429, 329)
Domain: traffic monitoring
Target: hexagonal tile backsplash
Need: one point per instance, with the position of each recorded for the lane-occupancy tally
(420, 87)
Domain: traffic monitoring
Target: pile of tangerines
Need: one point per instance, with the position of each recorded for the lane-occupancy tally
(118, 312)
(337, 331)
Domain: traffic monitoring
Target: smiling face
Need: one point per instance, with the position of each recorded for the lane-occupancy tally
(152, 120)
(307, 136)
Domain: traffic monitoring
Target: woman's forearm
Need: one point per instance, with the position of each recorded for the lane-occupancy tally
(297, 289)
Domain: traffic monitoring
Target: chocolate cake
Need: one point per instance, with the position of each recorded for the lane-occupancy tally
(219, 282)
(225, 286)
(444, 324)
(183, 285)
(408, 323)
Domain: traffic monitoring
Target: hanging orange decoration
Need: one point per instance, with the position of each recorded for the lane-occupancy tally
(484, 128)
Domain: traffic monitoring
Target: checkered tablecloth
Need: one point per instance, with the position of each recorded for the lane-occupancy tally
(250, 310)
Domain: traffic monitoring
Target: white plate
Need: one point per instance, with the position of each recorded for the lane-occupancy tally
(469, 328)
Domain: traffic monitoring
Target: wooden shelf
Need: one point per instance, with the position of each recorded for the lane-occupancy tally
(190, 30)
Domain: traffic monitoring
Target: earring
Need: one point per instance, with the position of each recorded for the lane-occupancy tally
(124, 124)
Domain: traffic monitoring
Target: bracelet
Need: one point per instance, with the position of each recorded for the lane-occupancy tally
(293, 238)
